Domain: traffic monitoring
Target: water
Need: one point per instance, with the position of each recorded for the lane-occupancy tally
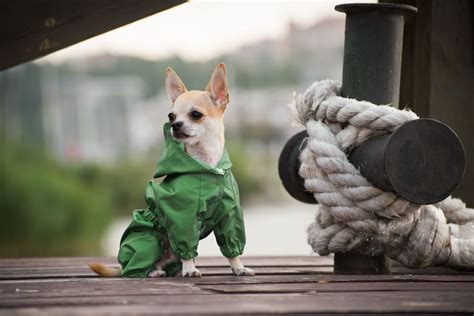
(272, 230)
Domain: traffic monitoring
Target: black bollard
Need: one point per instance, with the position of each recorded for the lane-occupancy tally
(371, 72)
(422, 161)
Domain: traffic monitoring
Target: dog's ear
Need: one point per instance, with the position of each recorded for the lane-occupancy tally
(218, 87)
(174, 85)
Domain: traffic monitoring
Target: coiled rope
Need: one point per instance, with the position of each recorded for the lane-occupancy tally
(355, 216)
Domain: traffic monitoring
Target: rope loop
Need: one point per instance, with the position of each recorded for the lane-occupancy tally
(354, 215)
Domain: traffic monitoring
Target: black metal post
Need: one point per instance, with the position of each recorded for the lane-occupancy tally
(371, 72)
(373, 51)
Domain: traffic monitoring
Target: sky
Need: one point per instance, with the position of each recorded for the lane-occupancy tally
(199, 30)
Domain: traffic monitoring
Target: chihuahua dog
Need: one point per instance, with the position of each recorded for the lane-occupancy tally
(196, 124)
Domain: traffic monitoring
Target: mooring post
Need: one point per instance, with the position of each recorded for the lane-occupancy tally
(371, 72)
(373, 51)
(422, 161)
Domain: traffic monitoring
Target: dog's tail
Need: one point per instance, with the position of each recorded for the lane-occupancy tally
(104, 271)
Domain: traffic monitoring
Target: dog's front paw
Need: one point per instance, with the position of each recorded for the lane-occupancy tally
(243, 271)
(191, 273)
(157, 274)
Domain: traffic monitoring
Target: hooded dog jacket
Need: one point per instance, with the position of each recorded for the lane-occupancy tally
(193, 200)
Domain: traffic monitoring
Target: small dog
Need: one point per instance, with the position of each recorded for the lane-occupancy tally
(197, 196)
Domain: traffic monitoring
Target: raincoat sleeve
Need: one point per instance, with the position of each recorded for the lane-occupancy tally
(178, 204)
(230, 230)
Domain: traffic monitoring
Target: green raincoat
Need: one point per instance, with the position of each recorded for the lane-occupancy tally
(193, 200)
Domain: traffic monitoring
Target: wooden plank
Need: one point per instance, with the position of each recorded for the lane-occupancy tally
(431, 270)
(171, 286)
(201, 261)
(83, 272)
(77, 267)
(11, 269)
(327, 286)
(259, 279)
(32, 29)
(268, 279)
(300, 288)
(352, 302)
(98, 287)
(264, 261)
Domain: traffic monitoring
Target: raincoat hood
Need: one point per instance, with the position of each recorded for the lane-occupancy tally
(174, 159)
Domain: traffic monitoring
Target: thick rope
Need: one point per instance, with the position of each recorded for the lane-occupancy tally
(355, 216)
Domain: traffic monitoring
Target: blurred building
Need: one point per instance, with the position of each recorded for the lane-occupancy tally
(317, 49)
(88, 118)
(100, 108)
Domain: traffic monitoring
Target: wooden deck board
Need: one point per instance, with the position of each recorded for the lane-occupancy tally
(49, 286)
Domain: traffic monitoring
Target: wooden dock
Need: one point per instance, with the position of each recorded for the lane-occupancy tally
(51, 286)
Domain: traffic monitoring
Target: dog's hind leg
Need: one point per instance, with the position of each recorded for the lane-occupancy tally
(158, 273)
(168, 257)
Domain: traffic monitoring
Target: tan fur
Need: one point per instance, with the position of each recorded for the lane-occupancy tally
(202, 101)
(207, 134)
(174, 85)
(218, 86)
(104, 271)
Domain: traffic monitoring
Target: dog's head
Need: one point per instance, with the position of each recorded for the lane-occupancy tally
(197, 115)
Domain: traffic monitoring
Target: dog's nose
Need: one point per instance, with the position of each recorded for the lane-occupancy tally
(176, 126)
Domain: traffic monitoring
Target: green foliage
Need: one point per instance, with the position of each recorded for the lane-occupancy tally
(46, 209)
(129, 180)
(243, 169)
(50, 209)
(266, 73)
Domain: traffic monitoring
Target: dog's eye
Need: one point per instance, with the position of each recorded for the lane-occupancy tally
(172, 117)
(196, 115)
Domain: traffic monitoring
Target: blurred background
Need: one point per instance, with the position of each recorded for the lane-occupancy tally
(82, 128)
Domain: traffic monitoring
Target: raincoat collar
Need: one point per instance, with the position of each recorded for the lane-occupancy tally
(174, 160)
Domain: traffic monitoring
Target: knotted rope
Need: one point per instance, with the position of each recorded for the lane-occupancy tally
(355, 216)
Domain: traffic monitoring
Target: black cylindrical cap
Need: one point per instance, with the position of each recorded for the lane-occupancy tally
(289, 166)
(423, 161)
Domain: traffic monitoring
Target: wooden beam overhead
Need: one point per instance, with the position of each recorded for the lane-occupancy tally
(33, 29)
